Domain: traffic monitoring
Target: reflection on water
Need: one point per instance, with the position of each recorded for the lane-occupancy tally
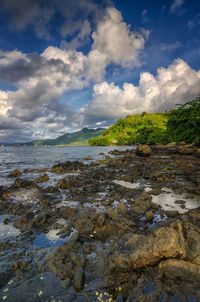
(52, 238)
(7, 230)
(171, 201)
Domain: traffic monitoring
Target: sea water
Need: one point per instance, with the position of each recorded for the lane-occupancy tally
(30, 157)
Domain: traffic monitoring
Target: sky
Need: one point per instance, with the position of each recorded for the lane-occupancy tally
(67, 64)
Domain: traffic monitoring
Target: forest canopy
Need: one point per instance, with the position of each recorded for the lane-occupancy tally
(180, 124)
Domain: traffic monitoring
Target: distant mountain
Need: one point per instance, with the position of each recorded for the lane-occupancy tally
(79, 138)
(2, 144)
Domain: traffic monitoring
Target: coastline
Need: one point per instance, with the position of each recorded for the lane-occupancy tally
(123, 227)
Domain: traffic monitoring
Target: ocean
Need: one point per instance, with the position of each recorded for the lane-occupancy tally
(29, 157)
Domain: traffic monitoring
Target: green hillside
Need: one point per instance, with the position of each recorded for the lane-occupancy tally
(181, 124)
(79, 138)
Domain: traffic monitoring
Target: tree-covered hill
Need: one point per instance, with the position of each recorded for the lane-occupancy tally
(78, 138)
(181, 124)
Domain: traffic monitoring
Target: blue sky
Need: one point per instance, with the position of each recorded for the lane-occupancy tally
(69, 64)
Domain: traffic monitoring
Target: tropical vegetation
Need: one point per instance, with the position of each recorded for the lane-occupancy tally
(177, 125)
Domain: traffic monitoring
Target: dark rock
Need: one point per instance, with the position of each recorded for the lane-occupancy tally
(172, 214)
(166, 242)
(68, 212)
(84, 225)
(5, 274)
(88, 158)
(15, 173)
(149, 215)
(192, 243)
(22, 183)
(185, 150)
(141, 204)
(143, 150)
(179, 269)
(67, 263)
(42, 178)
(78, 278)
(121, 208)
(67, 167)
(195, 215)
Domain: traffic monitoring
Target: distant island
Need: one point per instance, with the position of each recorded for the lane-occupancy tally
(78, 138)
(178, 125)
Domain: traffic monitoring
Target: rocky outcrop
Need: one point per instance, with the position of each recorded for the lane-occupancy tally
(84, 225)
(141, 204)
(185, 150)
(180, 269)
(150, 250)
(15, 173)
(68, 264)
(42, 178)
(67, 167)
(143, 150)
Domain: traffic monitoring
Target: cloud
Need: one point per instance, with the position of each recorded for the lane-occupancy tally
(144, 17)
(176, 7)
(29, 12)
(20, 11)
(83, 32)
(194, 22)
(176, 84)
(170, 47)
(42, 79)
(114, 42)
(40, 14)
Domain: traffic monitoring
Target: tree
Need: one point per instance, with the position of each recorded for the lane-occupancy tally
(184, 123)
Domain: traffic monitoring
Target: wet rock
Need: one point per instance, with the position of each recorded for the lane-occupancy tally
(121, 208)
(158, 176)
(84, 225)
(15, 173)
(139, 209)
(6, 221)
(185, 150)
(22, 183)
(192, 243)
(67, 263)
(141, 204)
(88, 158)
(68, 212)
(42, 287)
(78, 278)
(67, 183)
(180, 270)
(44, 218)
(166, 242)
(5, 274)
(35, 224)
(149, 215)
(42, 178)
(23, 222)
(143, 150)
(172, 214)
(67, 167)
(50, 189)
(101, 219)
(195, 215)
(198, 151)
(66, 283)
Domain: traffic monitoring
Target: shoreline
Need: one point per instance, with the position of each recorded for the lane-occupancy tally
(125, 227)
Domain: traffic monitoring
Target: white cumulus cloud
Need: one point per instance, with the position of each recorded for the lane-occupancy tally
(173, 85)
(114, 42)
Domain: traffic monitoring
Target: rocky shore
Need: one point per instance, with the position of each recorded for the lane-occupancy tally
(126, 228)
